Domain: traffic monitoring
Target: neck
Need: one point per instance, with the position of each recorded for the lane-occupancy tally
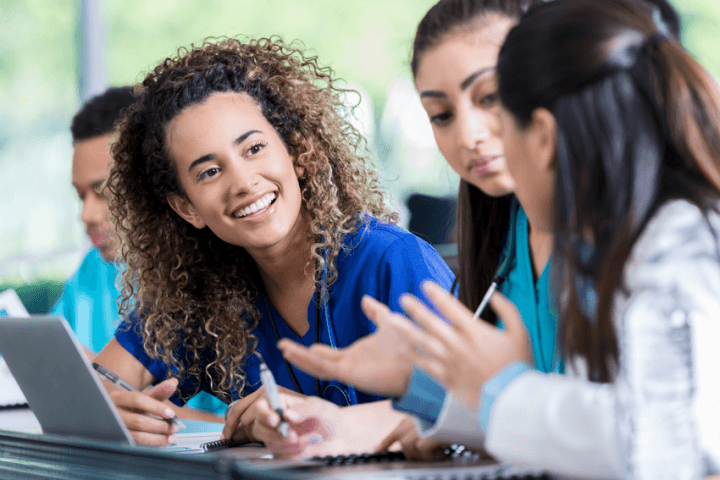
(284, 266)
(541, 246)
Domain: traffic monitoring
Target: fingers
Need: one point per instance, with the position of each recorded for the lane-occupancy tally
(163, 390)
(376, 311)
(261, 423)
(141, 403)
(319, 360)
(428, 449)
(509, 313)
(143, 438)
(233, 418)
(136, 409)
(460, 317)
(400, 431)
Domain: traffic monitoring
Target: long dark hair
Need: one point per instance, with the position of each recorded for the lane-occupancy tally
(638, 124)
(482, 220)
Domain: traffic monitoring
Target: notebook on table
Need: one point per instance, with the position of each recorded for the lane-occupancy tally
(58, 380)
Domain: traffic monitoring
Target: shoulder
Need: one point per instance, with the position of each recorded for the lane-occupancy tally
(376, 235)
(677, 256)
(678, 232)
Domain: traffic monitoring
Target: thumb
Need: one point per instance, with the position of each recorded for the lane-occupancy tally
(163, 390)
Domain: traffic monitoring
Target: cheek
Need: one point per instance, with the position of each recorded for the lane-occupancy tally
(445, 139)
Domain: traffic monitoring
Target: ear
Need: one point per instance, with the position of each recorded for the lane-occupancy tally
(185, 209)
(543, 130)
(299, 170)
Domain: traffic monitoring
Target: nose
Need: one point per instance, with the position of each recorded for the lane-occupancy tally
(472, 125)
(242, 178)
(94, 209)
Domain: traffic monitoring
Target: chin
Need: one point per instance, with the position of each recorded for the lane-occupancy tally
(109, 254)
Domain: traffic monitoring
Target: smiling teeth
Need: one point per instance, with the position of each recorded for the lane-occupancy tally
(259, 205)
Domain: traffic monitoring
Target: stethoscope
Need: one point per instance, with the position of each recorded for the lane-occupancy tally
(501, 274)
(348, 393)
(506, 266)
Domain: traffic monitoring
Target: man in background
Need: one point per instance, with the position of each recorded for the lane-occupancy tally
(89, 299)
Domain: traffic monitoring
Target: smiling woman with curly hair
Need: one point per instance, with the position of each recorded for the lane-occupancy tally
(248, 214)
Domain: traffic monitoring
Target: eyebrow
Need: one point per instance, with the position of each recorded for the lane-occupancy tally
(463, 86)
(210, 156)
(94, 185)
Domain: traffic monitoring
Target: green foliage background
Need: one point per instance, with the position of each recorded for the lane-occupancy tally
(366, 42)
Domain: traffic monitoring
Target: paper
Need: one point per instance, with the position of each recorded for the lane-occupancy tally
(194, 436)
(10, 393)
(11, 306)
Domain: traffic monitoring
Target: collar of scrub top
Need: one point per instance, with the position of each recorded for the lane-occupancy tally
(349, 391)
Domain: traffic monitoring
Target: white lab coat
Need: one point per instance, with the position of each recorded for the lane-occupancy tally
(572, 427)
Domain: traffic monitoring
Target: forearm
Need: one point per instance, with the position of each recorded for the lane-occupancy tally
(557, 423)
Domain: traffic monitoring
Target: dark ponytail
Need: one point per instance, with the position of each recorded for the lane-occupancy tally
(637, 125)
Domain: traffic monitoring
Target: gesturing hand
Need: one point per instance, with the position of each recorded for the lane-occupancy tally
(378, 363)
(465, 353)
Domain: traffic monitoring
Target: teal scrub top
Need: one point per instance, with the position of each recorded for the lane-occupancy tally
(532, 297)
(424, 397)
(89, 301)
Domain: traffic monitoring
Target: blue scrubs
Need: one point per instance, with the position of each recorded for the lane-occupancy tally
(380, 260)
(89, 304)
(424, 397)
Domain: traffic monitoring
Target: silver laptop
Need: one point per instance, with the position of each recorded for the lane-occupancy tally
(57, 379)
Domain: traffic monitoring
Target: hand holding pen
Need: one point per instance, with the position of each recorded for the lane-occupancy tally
(123, 385)
(271, 390)
(273, 396)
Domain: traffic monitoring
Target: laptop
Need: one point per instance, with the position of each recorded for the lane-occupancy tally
(58, 381)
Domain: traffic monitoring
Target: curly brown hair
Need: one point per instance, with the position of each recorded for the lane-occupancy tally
(192, 290)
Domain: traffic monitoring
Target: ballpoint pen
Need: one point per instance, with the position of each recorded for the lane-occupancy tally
(271, 390)
(120, 383)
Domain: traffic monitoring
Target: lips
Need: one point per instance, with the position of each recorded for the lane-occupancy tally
(484, 165)
(99, 239)
(256, 207)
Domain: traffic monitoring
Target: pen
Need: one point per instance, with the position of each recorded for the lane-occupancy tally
(271, 389)
(486, 299)
(120, 383)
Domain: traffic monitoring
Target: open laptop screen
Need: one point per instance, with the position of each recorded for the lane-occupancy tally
(58, 380)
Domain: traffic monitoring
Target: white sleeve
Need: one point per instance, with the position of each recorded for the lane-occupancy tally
(660, 418)
(455, 424)
(556, 423)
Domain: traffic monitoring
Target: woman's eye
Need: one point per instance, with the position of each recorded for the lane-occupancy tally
(440, 119)
(489, 99)
(208, 173)
(256, 148)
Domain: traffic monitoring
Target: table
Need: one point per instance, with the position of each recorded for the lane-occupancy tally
(25, 453)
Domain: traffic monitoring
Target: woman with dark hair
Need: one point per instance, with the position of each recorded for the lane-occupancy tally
(453, 64)
(612, 135)
(247, 215)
